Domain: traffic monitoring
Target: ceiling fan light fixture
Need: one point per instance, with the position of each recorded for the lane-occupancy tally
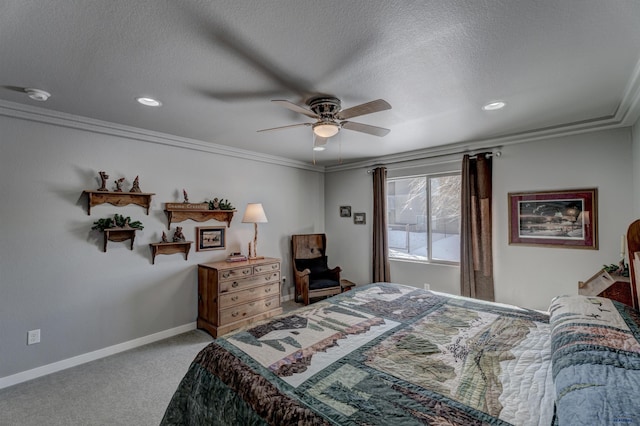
(326, 130)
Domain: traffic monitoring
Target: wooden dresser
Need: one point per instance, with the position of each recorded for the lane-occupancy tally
(232, 294)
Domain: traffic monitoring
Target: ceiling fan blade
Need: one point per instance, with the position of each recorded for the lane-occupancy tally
(365, 128)
(363, 109)
(284, 127)
(296, 108)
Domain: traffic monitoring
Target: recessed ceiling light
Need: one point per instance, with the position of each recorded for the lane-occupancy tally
(37, 94)
(492, 106)
(149, 102)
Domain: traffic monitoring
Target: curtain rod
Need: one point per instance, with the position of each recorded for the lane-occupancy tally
(497, 153)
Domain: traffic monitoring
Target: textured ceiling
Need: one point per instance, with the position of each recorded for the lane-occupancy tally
(215, 65)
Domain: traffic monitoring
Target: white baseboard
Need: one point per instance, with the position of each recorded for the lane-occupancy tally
(92, 356)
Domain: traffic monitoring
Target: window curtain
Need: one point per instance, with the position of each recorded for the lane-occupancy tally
(380, 244)
(476, 259)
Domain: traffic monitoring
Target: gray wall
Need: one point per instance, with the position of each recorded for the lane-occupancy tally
(54, 275)
(526, 276)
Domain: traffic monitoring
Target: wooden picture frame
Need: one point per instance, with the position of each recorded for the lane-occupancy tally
(564, 218)
(360, 218)
(210, 238)
(345, 211)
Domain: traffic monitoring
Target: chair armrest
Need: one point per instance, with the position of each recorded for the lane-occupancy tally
(303, 273)
(335, 273)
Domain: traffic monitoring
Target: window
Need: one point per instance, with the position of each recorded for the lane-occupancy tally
(423, 214)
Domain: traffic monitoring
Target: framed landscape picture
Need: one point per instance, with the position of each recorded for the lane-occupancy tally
(210, 238)
(564, 218)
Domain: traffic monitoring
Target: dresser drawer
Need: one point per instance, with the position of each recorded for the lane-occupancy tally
(248, 295)
(251, 281)
(230, 274)
(249, 309)
(267, 267)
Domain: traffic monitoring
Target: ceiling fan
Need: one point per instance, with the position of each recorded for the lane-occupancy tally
(330, 117)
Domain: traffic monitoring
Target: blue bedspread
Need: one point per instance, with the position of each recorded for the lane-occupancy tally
(595, 361)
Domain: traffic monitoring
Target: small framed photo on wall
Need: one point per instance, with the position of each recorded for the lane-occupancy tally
(345, 211)
(360, 218)
(210, 238)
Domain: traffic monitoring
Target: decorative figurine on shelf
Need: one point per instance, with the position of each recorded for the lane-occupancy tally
(185, 195)
(178, 236)
(164, 237)
(136, 186)
(214, 204)
(103, 177)
(118, 183)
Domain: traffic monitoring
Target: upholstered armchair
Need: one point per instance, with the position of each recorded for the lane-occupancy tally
(312, 275)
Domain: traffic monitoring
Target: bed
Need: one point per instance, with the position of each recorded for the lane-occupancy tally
(389, 354)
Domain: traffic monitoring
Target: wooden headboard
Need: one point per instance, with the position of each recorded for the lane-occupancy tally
(633, 248)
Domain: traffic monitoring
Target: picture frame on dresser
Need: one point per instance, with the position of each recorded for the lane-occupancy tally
(210, 238)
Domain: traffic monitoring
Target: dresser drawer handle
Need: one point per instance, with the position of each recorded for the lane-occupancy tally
(267, 304)
(235, 284)
(235, 314)
(267, 290)
(274, 267)
(246, 271)
(226, 275)
(252, 304)
(234, 298)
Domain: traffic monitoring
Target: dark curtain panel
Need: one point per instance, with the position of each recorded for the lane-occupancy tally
(380, 243)
(476, 260)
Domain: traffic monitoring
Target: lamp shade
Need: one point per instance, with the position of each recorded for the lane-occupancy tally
(254, 214)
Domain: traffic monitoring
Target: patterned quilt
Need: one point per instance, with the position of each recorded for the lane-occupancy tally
(596, 361)
(383, 354)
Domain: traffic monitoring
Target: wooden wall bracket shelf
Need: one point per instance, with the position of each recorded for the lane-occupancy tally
(199, 215)
(119, 234)
(170, 248)
(142, 199)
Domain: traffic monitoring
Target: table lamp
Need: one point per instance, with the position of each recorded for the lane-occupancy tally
(254, 214)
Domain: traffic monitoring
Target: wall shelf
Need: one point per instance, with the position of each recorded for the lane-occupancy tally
(118, 235)
(182, 213)
(170, 248)
(142, 199)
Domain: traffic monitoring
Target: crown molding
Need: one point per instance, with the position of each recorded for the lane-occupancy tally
(626, 115)
(42, 115)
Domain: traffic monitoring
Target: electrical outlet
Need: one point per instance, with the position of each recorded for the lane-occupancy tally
(33, 337)
(426, 286)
